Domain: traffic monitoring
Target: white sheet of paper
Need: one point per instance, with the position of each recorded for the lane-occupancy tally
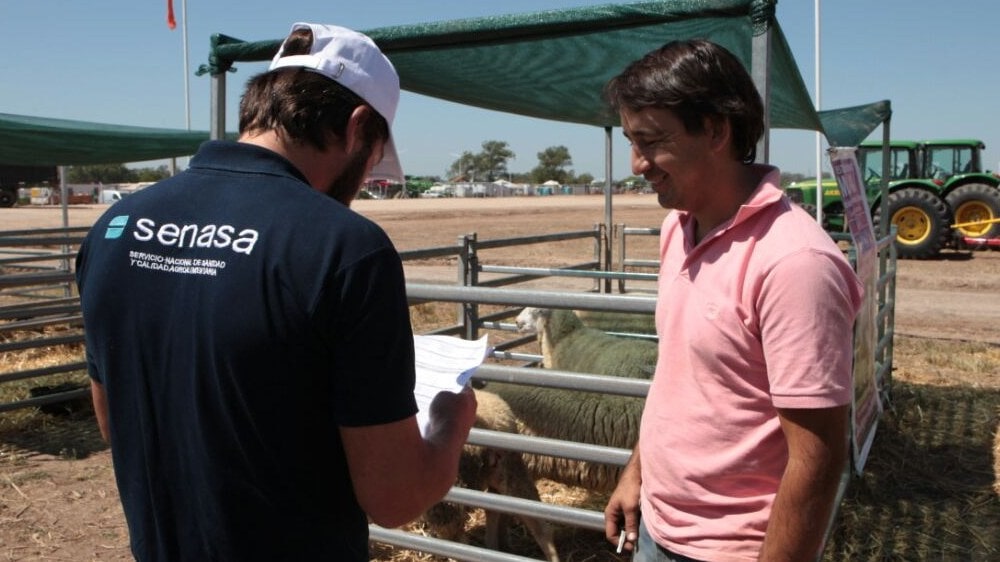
(443, 363)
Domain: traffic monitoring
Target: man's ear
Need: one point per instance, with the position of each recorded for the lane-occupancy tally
(354, 137)
(720, 132)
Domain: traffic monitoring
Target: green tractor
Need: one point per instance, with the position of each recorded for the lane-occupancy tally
(939, 195)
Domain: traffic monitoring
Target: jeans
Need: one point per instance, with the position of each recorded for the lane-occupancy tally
(648, 551)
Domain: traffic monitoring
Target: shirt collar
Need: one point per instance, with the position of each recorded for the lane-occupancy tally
(243, 157)
(767, 193)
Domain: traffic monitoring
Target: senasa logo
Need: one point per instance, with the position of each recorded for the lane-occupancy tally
(189, 235)
(116, 227)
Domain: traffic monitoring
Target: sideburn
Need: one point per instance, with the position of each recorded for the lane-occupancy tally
(346, 186)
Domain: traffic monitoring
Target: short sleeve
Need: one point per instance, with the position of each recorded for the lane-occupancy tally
(808, 305)
(368, 327)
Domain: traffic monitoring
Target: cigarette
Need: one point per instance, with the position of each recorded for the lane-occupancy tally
(621, 542)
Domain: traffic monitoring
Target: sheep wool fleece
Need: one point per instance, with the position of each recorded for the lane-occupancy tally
(757, 316)
(236, 318)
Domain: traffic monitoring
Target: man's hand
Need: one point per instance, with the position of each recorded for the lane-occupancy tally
(622, 511)
(451, 416)
(396, 472)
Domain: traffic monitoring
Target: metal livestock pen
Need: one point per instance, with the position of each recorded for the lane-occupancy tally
(562, 83)
(39, 309)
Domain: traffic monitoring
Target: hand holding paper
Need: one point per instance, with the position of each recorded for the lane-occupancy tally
(443, 363)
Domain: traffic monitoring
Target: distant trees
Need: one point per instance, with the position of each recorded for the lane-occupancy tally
(491, 164)
(114, 173)
(493, 159)
(552, 164)
(464, 168)
(152, 174)
(791, 177)
(488, 165)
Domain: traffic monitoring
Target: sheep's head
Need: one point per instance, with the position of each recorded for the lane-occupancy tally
(550, 324)
(531, 320)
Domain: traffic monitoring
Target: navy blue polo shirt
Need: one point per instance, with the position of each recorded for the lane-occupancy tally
(236, 318)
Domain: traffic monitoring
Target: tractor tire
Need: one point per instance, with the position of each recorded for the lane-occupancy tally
(810, 209)
(922, 220)
(975, 202)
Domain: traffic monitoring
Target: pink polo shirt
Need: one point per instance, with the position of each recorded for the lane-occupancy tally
(757, 316)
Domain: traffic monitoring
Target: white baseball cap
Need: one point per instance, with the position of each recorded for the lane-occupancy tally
(354, 61)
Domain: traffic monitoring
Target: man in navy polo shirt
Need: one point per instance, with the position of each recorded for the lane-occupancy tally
(248, 335)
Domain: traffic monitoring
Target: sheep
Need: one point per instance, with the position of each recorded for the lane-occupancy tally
(582, 417)
(621, 322)
(568, 345)
(504, 472)
(607, 420)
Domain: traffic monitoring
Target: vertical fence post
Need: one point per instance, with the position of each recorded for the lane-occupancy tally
(463, 274)
(619, 234)
(468, 273)
(887, 267)
(602, 255)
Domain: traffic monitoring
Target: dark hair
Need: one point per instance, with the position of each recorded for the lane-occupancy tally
(303, 105)
(695, 79)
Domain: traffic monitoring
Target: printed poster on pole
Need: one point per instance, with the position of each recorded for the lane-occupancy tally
(867, 405)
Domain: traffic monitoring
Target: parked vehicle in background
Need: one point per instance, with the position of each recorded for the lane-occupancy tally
(110, 196)
(14, 177)
(972, 194)
(939, 194)
(8, 195)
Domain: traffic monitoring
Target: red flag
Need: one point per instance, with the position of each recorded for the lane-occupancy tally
(171, 22)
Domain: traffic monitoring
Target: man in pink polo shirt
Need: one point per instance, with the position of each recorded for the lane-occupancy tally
(744, 436)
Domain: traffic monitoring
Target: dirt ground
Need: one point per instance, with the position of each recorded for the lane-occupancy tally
(58, 500)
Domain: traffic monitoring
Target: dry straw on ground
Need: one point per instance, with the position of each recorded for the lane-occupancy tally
(927, 491)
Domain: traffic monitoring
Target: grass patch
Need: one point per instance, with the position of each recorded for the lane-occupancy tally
(26, 476)
(947, 362)
(926, 492)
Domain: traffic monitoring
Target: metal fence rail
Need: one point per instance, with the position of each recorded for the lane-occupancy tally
(36, 300)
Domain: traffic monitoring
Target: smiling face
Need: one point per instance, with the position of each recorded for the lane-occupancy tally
(678, 164)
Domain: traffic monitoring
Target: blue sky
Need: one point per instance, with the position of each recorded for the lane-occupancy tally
(116, 61)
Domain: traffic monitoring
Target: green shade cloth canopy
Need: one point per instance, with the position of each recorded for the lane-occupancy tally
(550, 65)
(554, 64)
(849, 126)
(38, 141)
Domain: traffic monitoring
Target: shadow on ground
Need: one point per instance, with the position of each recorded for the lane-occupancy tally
(73, 434)
(926, 492)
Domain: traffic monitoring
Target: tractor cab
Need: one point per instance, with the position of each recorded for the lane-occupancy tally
(945, 159)
(904, 161)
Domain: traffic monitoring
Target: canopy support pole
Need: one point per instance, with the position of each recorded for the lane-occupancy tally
(63, 196)
(217, 129)
(883, 227)
(819, 135)
(608, 225)
(760, 70)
